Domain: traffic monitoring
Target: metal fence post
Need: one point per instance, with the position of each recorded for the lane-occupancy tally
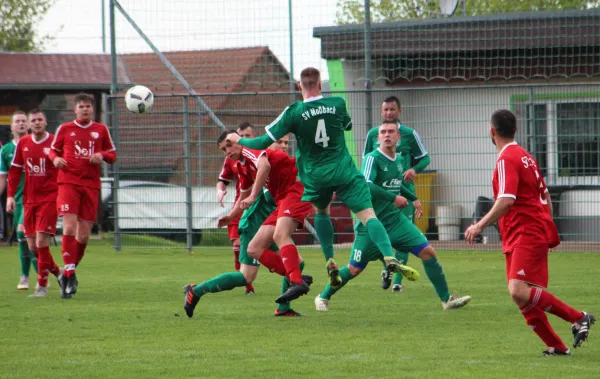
(368, 83)
(188, 175)
(115, 183)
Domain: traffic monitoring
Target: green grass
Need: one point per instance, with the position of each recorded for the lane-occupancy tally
(127, 321)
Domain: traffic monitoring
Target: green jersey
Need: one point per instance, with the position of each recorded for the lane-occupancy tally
(319, 124)
(6, 158)
(410, 147)
(384, 176)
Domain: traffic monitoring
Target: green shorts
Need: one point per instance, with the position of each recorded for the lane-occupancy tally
(355, 194)
(409, 212)
(404, 236)
(250, 222)
(18, 215)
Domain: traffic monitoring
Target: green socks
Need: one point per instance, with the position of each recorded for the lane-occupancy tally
(285, 284)
(402, 257)
(324, 229)
(26, 257)
(436, 276)
(223, 282)
(378, 235)
(329, 291)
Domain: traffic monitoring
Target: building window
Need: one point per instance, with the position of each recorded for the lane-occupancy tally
(564, 137)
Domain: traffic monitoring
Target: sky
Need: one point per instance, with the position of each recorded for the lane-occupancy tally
(175, 25)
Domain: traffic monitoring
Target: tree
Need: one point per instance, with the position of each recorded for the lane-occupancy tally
(18, 19)
(353, 11)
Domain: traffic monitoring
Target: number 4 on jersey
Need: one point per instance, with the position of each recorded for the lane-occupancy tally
(321, 135)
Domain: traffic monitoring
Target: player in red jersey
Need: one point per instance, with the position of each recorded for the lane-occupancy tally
(228, 173)
(276, 171)
(523, 209)
(78, 149)
(39, 195)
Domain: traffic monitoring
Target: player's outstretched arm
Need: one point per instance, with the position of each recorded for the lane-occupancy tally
(259, 143)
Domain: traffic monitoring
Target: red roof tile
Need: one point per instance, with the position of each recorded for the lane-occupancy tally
(78, 71)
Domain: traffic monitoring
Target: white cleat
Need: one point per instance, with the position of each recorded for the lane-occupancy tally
(23, 283)
(456, 302)
(40, 292)
(397, 288)
(321, 304)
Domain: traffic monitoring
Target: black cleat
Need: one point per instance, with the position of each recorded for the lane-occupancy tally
(581, 329)
(191, 300)
(333, 272)
(72, 283)
(62, 285)
(289, 313)
(386, 279)
(308, 279)
(295, 291)
(551, 351)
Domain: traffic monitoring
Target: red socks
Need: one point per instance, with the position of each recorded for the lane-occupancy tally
(538, 322)
(69, 253)
(80, 251)
(236, 257)
(551, 304)
(45, 265)
(291, 261)
(273, 262)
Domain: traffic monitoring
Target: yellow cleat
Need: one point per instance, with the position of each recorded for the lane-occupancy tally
(393, 265)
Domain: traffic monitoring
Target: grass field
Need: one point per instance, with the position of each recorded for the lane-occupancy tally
(127, 321)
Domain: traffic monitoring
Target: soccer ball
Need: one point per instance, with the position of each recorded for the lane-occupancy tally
(139, 99)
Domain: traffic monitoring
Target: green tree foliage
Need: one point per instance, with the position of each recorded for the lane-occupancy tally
(353, 11)
(18, 21)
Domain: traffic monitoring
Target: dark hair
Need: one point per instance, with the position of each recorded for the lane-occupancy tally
(310, 77)
(392, 99)
(83, 97)
(224, 135)
(36, 111)
(245, 125)
(505, 123)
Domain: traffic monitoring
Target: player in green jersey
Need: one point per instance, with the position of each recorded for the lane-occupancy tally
(19, 127)
(414, 159)
(384, 170)
(325, 165)
(251, 220)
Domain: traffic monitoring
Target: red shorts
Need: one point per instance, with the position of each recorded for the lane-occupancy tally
(78, 200)
(40, 217)
(528, 263)
(290, 206)
(233, 231)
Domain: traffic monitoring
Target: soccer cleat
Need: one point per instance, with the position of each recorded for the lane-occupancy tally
(62, 284)
(321, 304)
(551, 351)
(250, 292)
(288, 313)
(71, 287)
(191, 300)
(335, 281)
(386, 279)
(397, 288)
(393, 265)
(456, 302)
(40, 292)
(308, 279)
(295, 291)
(581, 329)
(23, 283)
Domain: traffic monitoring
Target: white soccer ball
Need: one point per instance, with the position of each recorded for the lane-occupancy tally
(139, 99)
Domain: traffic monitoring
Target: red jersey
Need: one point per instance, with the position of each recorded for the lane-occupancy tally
(282, 176)
(528, 221)
(40, 173)
(76, 144)
(228, 173)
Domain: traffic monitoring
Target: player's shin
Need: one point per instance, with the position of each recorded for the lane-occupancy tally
(378, 235)
(436, 276)
(80, 251)
(45, 262)
(25, 255)
(236, 257)
(223, 282)
(325, 231)
(538, 322)
(291, 261)
(551, 304)
(69, 253)
(272, 261)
